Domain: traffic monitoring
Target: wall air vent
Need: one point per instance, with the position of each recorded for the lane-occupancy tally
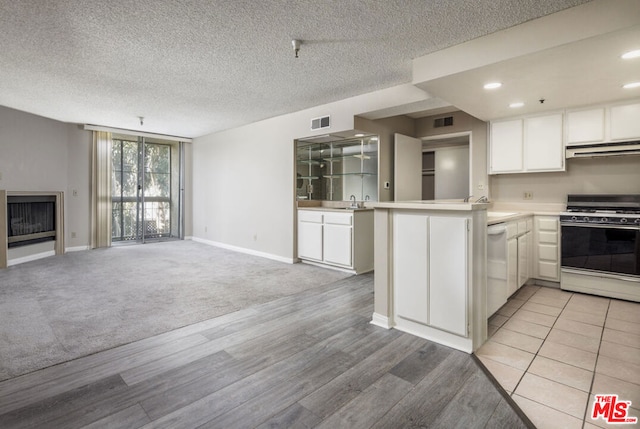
(443, 122)
(320, 123)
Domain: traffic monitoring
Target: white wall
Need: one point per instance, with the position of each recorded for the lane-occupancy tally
(243, 178)
(40, 154)
(596, 175)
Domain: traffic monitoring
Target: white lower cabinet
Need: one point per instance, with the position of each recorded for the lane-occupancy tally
(338, 246)
(341, 239)
(310, 235)
(519, 242)
(430, 271)
(547, 248)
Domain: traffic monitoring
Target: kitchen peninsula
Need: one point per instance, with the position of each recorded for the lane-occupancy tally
(430, 270)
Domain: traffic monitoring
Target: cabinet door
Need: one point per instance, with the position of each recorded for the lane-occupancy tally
(524, 259)
(585, 126)
(546, 248)
(410, 272)
(624, 122)
(506, 146)
(310, 240)
(338, 244)
(544, 148)
(448, 274)
(512, 266)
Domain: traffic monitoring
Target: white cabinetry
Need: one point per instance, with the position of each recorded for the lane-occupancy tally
(624, 121)
(341, 239)
(507, 141)
(519, 250)
(543, 143)
(338, 239)
(430, 271)
(527, 144)
(310, 235)
(547, 248)
(585, 126)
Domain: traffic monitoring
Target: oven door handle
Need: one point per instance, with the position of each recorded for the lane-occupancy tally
(598, 225)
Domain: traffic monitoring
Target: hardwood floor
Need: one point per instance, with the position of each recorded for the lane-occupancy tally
(308, 360)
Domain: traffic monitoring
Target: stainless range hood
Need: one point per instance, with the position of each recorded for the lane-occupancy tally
(592, 150)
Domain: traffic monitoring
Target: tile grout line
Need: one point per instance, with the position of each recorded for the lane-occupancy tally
(535, 355)
(593, 377)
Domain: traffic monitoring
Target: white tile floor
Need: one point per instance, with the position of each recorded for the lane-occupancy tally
(554, 350)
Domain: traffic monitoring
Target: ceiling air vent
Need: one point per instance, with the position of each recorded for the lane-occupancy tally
(320, 123)
(443, 122)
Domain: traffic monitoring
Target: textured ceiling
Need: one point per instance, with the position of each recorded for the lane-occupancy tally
(195, 67)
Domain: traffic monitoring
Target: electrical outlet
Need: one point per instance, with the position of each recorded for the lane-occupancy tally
(481, 186)
(74, 192)
(528, 195)
(387, 185)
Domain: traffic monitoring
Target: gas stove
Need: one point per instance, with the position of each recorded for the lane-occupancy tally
(610, 209)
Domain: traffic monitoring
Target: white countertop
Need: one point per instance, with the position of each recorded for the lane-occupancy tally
(431, 205)
(336, 209)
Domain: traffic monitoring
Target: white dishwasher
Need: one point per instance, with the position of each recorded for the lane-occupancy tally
(496, 267)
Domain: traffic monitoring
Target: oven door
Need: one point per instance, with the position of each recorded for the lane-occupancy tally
(613, 249)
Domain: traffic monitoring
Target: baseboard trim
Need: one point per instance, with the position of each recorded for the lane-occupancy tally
(30, 258)
(77, 249)
(243, 250)
(380, 320)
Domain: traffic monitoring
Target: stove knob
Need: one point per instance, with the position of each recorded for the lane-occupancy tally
(637, 221)
(604, 219)
(623, 220)
(574, 218)
(586, 219)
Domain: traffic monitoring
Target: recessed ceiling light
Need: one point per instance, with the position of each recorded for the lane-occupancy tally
(492, 85)
(631, 85)
(516, 105)
(631, 54)
(359, 135)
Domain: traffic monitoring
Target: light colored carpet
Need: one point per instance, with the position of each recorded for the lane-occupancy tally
(64, 307)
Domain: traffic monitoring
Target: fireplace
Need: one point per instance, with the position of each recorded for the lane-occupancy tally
(33, 226)
(31, 219)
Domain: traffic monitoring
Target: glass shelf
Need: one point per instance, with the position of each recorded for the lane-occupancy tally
(350, 167)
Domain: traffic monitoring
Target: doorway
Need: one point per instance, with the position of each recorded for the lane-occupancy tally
(146, 201)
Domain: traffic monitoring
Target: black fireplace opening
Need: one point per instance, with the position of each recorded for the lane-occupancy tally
(31, 219)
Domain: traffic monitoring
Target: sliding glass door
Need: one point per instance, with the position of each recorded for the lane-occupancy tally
(146, 196)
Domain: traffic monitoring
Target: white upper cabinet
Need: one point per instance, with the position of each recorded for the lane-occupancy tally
(527, 144)
(506, 146)
(544, 148)
(625, 122)
(585, 126)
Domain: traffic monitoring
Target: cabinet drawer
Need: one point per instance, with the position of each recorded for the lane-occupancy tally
(524, 226)
(548, 224)
(548, 252)
(548, 270)
(338, 218)
(310, 216)
(548, 237)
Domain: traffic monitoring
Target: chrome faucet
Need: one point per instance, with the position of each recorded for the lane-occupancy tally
(482, 199)
(354, 203)
(466, 200)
